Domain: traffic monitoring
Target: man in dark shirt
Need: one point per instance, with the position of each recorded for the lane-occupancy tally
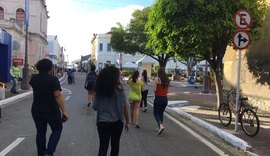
(45, 108)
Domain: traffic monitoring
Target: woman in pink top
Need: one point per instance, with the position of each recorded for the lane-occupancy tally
(161, 86)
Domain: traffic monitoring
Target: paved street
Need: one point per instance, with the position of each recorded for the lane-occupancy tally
(181, 137)
(80, 135)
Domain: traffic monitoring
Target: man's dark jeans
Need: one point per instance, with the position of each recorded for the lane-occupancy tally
(109, 131)
(41, 121)
(160, 103)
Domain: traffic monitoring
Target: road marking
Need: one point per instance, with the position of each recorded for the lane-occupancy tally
(67, 98)
(209, 144)
(177, 102)
(11, 146)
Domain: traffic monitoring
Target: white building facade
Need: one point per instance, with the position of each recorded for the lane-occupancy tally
(102, 52)
(54, 50)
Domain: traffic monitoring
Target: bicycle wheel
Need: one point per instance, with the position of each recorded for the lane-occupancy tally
(250, 122)
(224, 114)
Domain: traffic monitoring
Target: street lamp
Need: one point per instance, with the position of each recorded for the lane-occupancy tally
(25, 80)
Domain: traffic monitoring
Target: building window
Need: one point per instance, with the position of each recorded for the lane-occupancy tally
(100, 46)
(20, 15)
(100, 66)
(1, 13)
(109, 47)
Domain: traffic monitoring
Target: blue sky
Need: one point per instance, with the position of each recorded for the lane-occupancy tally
(75, 21)
(98, 4)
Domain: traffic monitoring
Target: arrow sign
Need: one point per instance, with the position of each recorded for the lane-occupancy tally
(243, 19)
(241, 39)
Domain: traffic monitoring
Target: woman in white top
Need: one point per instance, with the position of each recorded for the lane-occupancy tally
(144, 79)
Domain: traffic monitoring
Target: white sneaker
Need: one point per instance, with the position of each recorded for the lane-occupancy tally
(160, 130)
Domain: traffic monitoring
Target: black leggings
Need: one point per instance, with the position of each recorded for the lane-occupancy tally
(144, 98)
(109, 131)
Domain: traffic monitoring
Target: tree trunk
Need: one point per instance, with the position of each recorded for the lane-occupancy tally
(219, 87)
(120, 60)
(188, 71)
(162, 64)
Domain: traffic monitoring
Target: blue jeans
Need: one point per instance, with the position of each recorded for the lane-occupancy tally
(160, 103)
(14, 84)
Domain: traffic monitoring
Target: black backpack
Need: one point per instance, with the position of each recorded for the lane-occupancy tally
(91, 80)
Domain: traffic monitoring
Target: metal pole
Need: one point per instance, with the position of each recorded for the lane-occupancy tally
(25, 85)
(238, 90)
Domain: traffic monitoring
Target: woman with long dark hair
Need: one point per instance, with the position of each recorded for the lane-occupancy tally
(135, 96)
(144, 79)
(161, 86)
(111, 105)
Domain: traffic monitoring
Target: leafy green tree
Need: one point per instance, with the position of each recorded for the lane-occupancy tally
(258, 55)
(119, 40)
(190, 62)
(202, 28)
(134, 39)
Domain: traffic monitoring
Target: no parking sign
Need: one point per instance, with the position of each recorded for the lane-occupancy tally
(243, 19)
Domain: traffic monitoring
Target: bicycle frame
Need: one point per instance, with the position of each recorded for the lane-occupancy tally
(247, 116)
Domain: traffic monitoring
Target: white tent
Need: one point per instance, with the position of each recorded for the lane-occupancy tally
(130, 65)
(147, 59)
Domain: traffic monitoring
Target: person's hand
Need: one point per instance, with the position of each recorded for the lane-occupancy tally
(65, 116)
(126, 127)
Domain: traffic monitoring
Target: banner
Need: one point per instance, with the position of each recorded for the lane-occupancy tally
(26, 18)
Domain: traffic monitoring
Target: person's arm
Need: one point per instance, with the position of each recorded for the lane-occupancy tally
(86, 78)
(94, 104)
(11, 72)
(126, 116)
(60, 101)
(155, 85)
(142, 89)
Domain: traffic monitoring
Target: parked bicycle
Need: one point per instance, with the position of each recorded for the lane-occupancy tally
(247, 114)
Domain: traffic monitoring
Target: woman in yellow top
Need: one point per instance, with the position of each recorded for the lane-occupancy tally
(135, 96)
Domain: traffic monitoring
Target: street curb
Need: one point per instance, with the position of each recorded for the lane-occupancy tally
(228, 137)
(11, 100)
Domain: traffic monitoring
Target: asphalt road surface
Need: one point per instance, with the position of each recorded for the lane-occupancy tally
(80, 137)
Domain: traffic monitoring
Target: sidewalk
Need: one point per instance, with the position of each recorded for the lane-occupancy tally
(11, 98)
(202, 110)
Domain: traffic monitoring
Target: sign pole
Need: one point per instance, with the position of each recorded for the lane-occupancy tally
(241, 39)
(25, 80)
(238, 91)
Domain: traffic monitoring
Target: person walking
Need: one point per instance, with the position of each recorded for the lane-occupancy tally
(15, 73)
(110, 102)
(135, 96)
(145, 80)
(89, 84)
(70, 75)
(47, 108)
(161, 86)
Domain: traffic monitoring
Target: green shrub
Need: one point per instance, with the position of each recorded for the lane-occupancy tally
(169, 74)
(126, 73)
(154, 74)
(199, 79)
